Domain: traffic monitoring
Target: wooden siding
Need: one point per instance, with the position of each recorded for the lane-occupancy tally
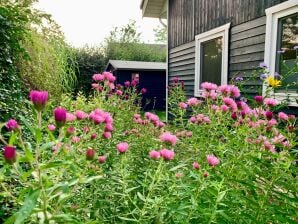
(188, 18)
(246, 51)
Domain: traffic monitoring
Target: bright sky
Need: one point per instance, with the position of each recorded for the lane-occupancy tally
(90, 21)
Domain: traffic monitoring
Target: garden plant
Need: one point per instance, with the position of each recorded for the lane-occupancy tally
(99, 160)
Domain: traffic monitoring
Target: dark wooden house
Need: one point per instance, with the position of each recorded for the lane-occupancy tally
(151, 76)
(215, 40)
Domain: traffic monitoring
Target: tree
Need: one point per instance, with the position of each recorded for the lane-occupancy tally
(160, 34)
(124, 43)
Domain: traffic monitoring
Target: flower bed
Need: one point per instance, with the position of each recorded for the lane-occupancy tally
(99, 160)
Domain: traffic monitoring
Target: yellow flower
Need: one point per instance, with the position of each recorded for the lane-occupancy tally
(273, 82)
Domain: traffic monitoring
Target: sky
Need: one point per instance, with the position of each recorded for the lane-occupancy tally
(90, 21)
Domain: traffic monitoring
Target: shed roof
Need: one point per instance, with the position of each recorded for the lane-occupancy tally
(137, 65)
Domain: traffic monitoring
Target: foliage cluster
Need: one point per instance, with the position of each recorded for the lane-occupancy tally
(33, 55)
(228, 163)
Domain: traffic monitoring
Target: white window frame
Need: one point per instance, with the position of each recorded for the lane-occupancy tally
(222, 31)
(273, 14)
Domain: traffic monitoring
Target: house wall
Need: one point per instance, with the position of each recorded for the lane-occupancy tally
(246, 51)
(188, 18)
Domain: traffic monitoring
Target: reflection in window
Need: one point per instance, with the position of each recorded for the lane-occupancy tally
(211, 61)
(135, 76)
(286, 58)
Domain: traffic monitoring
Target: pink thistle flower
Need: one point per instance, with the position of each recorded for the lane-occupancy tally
(95, 86)
(196, 166)
(143, 90)
(193, 102)
(235, 91)
(272, 122)
(282, 116)
(188, 134)
(214, 107)
(230, 103)
(12, 125)
(291, 128)
(90, 153)
(212, 160)
(70, 130)
(10, 154)
(119, 92)
(93, 136)
(109, 127)
(134, 83)
(86, 129)
(234, 116)
(259, 99)
(51, 127)
(137, 116)
(70, 117)
(109, 76)
(224, 108)
(270, 102)
(122, 147)
(127, 84)
(224, 89)
(107, 135)
(102, 159)
(205, 174)
(193, 119)
(208, 86)
(39, 99)
(168, 138)
(182, 105)
(75, 139)
(60, 116)
(154, 154)
(167, 154)
(81, 115)
(98, 77)
(268, 115)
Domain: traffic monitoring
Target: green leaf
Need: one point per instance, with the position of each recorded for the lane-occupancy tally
(55, 164)
(12, 138)
(28, 206)
(141, 196)
(221, 196)
(178, 167)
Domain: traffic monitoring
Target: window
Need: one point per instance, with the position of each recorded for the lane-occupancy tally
(212, 57)
(280, 48)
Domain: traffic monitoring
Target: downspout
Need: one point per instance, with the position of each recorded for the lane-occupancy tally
(167, 62)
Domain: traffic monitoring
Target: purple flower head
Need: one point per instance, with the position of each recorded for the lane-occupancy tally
(238, 79)
(39, 99)
(213, 160)
(295, 47)
(10, 154)
(167, 154)
(127, 84)
(263, 65)
(263, 76)
(60, 116)
(12, 125)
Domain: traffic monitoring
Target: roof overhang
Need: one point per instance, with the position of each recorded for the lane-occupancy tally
(154, 8)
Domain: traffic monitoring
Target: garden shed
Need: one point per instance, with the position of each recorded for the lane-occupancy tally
(216, 41)
(151, 76)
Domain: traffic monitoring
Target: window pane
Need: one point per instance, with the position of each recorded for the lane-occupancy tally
(211, 61)
(287, 55)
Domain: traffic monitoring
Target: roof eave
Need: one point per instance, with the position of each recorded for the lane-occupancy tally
(154, 8)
